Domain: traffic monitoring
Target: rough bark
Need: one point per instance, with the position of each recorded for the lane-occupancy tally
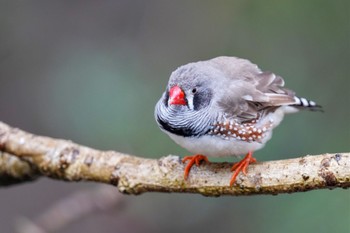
(65, 160)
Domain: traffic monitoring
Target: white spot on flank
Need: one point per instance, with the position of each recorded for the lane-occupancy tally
(312, 103)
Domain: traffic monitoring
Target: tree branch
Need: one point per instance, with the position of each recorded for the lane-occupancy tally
(65, 160)
(14, 170)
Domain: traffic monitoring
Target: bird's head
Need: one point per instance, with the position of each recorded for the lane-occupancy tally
(189, 89)
(185, 107)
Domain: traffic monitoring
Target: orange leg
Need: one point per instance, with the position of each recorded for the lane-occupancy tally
(241, 166)
(195, 159)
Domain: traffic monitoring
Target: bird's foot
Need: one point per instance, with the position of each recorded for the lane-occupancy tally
(195, 159)
(241, 166)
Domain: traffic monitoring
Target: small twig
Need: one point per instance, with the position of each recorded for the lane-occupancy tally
(61, 159)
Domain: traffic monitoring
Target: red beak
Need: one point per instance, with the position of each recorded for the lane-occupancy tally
(176, 96)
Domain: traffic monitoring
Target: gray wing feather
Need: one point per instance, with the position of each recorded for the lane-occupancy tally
(252, 93)
(272, 86)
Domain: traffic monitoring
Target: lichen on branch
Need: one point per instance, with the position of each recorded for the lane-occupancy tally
(62, 159)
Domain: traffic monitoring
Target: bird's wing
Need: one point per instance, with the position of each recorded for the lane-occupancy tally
(272, 87)
(251, 93)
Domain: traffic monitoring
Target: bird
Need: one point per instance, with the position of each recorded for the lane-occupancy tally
(225, 106)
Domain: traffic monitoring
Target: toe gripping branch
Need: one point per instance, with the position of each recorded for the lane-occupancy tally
(195, 159)
(241, 166)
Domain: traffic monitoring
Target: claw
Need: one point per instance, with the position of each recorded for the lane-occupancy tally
(195, 159)
(241, 166)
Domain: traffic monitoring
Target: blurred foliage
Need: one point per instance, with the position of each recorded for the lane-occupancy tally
(92, 71)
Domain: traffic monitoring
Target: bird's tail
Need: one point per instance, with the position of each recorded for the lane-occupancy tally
(303, 103)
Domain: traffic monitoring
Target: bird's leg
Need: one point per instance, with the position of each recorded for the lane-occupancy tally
(195, 159)
(241, 166)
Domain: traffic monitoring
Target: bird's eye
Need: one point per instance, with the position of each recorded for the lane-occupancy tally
(194, 90)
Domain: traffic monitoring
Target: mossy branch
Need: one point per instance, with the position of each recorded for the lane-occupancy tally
(26, 156)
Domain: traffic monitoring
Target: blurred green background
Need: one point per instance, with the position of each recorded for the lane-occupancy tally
(92, 71)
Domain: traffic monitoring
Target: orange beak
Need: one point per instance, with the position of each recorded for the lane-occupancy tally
(176, 96)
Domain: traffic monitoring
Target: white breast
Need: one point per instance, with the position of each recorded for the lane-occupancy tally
(215, 146)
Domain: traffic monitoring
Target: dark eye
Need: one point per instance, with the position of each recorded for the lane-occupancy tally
(194, 90)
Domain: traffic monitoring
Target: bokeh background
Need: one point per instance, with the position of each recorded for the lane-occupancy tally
(92, 71)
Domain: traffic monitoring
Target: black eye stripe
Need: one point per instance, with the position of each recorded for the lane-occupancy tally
(166, 98)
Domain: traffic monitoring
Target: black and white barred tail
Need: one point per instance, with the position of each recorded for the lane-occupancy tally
(301, 102)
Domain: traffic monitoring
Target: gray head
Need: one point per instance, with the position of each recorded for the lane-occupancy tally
(191, 86)
(184, 108)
